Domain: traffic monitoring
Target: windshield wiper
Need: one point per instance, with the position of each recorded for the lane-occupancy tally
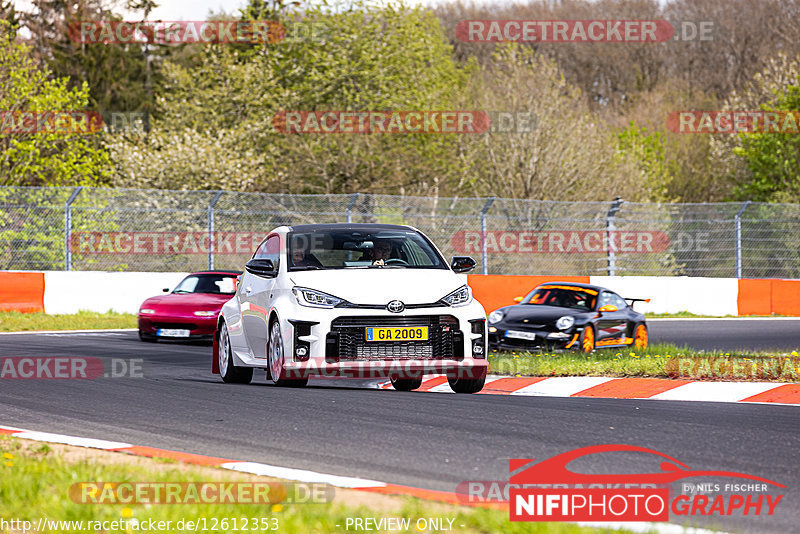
(308, 268)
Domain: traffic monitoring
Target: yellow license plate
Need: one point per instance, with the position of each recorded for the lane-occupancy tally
(401, 333)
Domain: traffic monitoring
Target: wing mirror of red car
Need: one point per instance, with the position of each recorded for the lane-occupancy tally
(608, 308)
(165, 290)
(462, 264)
(261, 267)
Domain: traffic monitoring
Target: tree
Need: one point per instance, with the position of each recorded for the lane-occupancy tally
(43, 158)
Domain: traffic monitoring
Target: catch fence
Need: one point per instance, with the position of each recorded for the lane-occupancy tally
(158, 230)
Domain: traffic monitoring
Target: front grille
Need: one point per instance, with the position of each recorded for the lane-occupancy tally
(347, 340)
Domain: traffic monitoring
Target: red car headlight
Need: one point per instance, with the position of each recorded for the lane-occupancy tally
(147, 311)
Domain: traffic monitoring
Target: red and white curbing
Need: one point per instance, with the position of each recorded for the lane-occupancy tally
(629, 388)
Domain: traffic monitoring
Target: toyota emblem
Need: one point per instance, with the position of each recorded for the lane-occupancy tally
(396, 306)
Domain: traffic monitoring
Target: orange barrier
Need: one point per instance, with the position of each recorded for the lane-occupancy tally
(498, 290)
(767, 297)
(22, 292)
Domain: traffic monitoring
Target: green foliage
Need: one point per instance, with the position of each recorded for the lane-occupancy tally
(43, 158)
(773, 159)
(649, 153)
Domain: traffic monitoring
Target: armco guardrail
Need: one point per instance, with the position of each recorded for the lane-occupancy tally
(70, 292)
(87, 229)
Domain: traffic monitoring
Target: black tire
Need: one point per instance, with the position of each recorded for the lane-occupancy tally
(275, 359)
(406, 384)
(227, 368)
(466, 385)
(147, 338)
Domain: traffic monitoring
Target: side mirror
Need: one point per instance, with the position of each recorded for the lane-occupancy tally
(261, 267)
(518, 299)
(165, 290)
(608, 308)
(462, 264)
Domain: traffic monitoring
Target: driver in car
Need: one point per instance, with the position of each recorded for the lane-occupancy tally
(381, 252)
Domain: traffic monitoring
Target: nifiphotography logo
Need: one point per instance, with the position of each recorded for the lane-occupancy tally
(548, 491)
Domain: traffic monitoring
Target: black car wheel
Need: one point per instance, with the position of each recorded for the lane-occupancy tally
(406, 384)
(466, 385)
(147, 337)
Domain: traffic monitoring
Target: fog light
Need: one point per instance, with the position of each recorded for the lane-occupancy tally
(301, 352)
(492, 329)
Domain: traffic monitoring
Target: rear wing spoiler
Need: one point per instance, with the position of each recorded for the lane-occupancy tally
(636, 300)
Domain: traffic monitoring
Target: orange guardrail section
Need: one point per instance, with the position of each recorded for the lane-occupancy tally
(497, 290)
(22, 292)
(768, 297)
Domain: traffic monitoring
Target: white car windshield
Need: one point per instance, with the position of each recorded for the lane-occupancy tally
(352, 249)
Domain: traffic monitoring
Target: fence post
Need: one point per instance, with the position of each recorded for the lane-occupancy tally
(738, 221)
(68, 227)
(611, 218)
(484, 252)
(349, 210)
(211, 230)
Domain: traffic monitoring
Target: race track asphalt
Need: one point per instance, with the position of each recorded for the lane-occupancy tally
(424, 440)
(759, 334)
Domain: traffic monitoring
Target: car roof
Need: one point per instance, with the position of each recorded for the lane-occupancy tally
(575, 284)
(363, 227)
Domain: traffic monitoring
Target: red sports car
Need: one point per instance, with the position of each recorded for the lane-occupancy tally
(190, 311)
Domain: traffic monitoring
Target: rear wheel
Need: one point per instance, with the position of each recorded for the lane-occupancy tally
(640, 336)
(276, 372)
(227, 369)
(406, 384)
(587, 339)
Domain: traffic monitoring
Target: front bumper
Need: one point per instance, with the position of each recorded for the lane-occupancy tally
(200, 328)
(332, 342)
(499, 339)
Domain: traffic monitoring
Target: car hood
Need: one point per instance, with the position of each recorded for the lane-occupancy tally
(536, 314)
(379, 286)
(186, 302)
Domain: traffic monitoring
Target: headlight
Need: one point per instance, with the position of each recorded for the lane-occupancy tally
(460, 297)
(147, 311)
(565, 322)
(205, 313)
(496, 316)
(315, 299)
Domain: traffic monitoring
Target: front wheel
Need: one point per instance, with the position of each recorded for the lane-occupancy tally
(147, 338)
(640, 336)
(587, 339)
(406, 384)
(466, 385)
(227, 369)
(276, 372)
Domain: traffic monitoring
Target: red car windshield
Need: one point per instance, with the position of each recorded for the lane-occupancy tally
(220, 284)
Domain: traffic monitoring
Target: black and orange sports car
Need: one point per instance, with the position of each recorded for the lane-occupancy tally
(568, 315)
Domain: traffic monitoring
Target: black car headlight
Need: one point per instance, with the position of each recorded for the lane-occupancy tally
(565, 323)
(496, 316)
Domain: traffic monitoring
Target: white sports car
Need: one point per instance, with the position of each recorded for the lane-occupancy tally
(352, 300)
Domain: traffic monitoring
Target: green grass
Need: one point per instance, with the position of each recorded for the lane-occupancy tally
(83, 320)
(35, 482)
(661, 361)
